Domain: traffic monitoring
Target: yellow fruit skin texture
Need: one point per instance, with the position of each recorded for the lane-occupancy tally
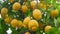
(32, 4)
(24, 8)
(16, 6)
(54, 13)
(4, 12)
(11, 1)
(26, 21)
(20, 24)
(14, 23)
(27, 33)
(33, 25)
(8, 20)
(37, 14)
(47, 28)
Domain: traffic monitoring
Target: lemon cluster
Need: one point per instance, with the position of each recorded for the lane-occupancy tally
(36, 12)
(16, 23)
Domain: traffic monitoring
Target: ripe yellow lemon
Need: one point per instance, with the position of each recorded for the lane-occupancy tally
(16, 6)
(54, 13)
(14, 23)
(8, 20)
(47, 28)
(37, 14)
(33, 25)
(26, 21)
(20, 24)
(32, 4)
(4, 10)
(24, 8)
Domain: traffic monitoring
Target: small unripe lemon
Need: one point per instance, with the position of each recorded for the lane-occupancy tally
(11, 1)
(8, 20)
(54, 13)
(14, 23)
(40, 5)
(47, 28)
(20, 24)
(37, 14)
(27, 33)
(49, 6)
(33, 25)
(32, 4)
(4, 10)
(24, 8)
(26, 21)
(16, 6)
(44, 7)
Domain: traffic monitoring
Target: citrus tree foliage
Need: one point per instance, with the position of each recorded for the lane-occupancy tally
(29, 17)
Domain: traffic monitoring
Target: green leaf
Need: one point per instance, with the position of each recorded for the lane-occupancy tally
(58, 32)
(52, 30)
(3, 26)
(58, 19)
(48, 1)
(0, 27)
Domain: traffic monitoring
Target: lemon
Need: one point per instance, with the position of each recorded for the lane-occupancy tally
(11, 1)
(32, 4)
(8, 20)
(37, 14)
(47, 28)
(54, 13)
(27, 33)
(33, 25)
(24, 8)
(14, 23)
(26, 21)
(20, 24)
(16, 6)
(4, 10)
(42, 5)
